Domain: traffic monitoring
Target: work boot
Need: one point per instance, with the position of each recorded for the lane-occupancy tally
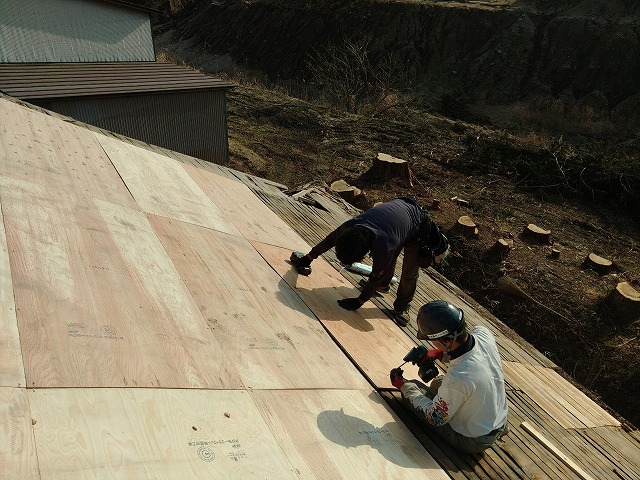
(401, 318)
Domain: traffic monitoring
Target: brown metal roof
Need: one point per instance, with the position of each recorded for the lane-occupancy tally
(29, 81)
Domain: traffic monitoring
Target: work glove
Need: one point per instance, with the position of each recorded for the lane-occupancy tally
(350, 303)
(430, 356)
(301, 262)
(396, 377)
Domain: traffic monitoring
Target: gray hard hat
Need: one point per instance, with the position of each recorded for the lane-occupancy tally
(440, 319)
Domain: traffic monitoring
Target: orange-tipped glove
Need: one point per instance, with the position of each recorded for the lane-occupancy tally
(396, 377)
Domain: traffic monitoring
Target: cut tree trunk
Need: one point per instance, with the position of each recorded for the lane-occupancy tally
(598, 263)
(625, 302)
(540, 234)
(386, 166)
(466, 227)
(502, 247)
(346, 191)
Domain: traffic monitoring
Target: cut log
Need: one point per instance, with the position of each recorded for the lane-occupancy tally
(466, 227)
(502, 247)
(540, 234)
(598, 263)
(386, 166)
(346, 191)
(625, 302)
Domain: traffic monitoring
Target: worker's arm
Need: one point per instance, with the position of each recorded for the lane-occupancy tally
(436, 411)
(328, 243)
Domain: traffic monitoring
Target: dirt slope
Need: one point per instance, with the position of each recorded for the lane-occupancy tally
(483, 51)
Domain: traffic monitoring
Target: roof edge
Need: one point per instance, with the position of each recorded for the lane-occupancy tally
(125, 3)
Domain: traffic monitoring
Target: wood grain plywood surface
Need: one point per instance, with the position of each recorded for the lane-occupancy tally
(251, 216)
(17, 453)
(50, 152)
(565, 403)
(371, 339)
(331, 434)
(162, 187)
(153, 434)
(99, 302)
(11, 366)
(269, 334)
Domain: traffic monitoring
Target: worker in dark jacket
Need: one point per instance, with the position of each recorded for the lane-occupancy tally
(384, 231)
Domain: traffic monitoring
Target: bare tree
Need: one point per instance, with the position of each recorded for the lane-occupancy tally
(347, 74)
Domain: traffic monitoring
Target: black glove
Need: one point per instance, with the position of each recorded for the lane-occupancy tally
(301, 262)
(350, 303)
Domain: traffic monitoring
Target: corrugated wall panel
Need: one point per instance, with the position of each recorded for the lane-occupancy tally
(73, 31)
(194, 123)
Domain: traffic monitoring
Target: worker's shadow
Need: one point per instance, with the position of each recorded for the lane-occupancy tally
(353, 432)
(357, 320)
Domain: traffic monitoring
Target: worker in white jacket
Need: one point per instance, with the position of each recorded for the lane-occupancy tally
(467, 407)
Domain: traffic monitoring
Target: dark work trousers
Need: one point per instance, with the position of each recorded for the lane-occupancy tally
(409, 276)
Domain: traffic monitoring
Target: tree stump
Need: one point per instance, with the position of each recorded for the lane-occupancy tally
(346, 191)
(502, 247)
(555, 253)
(386, 166)
(598, 263)
(625, 302)
(540, 234)
(461, 202)
(466, 227)
(435, 204)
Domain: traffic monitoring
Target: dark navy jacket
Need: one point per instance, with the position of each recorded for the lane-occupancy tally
(393, 224)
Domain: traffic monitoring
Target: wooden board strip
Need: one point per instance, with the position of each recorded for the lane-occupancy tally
(616, 446)
(544, 395)
(17, 453)
(38, 148)
(553, 449)
(572, 396)
(344, 434)
(11, 366)
(267, 332)
(99, 302)
(250, 216)
(597, 465)
(153, 433)
(372, 340)
(162, 187)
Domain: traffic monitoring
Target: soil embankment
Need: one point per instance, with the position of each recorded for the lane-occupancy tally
(496, 52)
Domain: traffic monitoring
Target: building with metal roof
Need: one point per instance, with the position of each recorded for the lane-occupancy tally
(94, 60)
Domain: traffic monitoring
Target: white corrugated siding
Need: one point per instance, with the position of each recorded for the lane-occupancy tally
(73, 31)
